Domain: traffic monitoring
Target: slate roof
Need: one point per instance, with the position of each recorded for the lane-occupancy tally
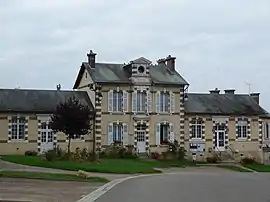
(38, 101)
(119, 73)
(222, 104)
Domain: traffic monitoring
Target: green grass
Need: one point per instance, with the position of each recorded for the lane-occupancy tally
(48, 176)
(234, 168)
(258, 167)
(119, 166)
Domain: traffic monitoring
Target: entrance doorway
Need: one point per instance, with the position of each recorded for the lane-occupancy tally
(141, 131)
(46, 137)
(220, 137)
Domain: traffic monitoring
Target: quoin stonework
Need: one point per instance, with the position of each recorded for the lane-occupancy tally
(143, 104)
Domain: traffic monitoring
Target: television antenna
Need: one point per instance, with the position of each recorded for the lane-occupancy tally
(249, 87)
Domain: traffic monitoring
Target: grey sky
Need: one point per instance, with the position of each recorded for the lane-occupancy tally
(218, 43)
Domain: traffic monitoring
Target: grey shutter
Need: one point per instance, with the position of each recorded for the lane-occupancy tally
(149, 101)
(110, 133)
(158, 134)
(134, 101)
(110, 101)
(125, 101)
(172, 102)
(158, 102)
(171, 133)
(125, 134)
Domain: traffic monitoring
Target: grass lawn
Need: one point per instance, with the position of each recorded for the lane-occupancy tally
(48, 176)
(258, 167)
(234, 168)
(124, 166)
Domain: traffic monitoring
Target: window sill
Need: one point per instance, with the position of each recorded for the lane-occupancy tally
(17, 141)
(241, 139)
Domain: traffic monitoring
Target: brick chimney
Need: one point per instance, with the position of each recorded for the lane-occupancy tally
(215, 91)
(170, 63)
(229, 91)
(256, 97)
(91, 59)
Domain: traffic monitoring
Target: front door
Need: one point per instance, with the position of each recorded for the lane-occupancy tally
(220, 138)
(141, 145)
(46, 137)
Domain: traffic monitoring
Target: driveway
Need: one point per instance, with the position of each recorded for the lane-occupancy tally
(193, 186)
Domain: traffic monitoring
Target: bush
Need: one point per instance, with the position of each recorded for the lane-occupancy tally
(50, 155)
(175, 151)
(30, 153)
(248, 160)
(211, 159)
(116, 150)
(55, 154)
(155, 155)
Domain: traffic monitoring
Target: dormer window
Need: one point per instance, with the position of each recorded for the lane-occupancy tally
(141, 69)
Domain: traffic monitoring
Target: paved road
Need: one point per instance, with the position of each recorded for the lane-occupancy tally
(193, 187)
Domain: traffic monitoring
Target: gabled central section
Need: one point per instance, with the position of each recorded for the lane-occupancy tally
(140, 74)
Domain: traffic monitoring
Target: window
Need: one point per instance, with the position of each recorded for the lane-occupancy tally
(164, 101)
(164, 133)
(116, 101)
(117, 132)
(196, 128)
(18, 128)
(141, 101)
(46, 132)
(266, 131)
(242, 129)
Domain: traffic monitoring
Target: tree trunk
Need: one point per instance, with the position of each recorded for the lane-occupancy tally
(69, 141)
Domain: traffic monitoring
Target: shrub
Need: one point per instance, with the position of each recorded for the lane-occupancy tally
(50, 155)
(211, 159)
(175, 151)
(116, 150)
(155, 155)
(248, 160)
(55, 154)
(30, 153)
(181, 154)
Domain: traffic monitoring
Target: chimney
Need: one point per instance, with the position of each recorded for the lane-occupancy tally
(91, 59)
(161, 61)
(215, 91)
(171, 63)
(256, 97)
(58, 87)
(229, 91)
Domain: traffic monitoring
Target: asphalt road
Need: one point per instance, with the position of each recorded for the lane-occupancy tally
(193, 187)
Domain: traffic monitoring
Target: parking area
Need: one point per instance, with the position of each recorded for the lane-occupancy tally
(44, 190)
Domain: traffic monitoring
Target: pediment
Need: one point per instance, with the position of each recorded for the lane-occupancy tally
(141, 60)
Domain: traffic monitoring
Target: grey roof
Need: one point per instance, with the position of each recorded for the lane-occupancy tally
(38, 101)
(222, 104)
(120, 73)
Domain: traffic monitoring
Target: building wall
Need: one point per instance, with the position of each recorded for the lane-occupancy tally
(249, 146)
(14, 147)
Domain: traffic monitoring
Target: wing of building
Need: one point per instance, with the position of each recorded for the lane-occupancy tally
(147, 105)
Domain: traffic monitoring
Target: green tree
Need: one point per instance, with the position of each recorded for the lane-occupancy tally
(72, 118)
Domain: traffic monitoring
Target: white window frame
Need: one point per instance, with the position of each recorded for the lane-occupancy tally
(117, 136)
(164, 105)
(140, 102)
(243, 132)
(18, 125)
(117, 104)
(167, 132)
(196, 128)
(48, 132)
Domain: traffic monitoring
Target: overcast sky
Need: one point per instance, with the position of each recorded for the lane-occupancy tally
(217, 43)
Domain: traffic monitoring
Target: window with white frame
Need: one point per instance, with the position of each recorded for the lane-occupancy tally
(141, 101)
(46, 132)
(164, 101)
(266, 131)
(196, 128)
(242, 129)
(117, 101)
(18, 128)
(117, 132)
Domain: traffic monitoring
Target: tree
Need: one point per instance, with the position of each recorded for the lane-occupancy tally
(72, 118)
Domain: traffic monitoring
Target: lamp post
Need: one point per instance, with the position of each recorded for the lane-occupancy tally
(93, 88)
